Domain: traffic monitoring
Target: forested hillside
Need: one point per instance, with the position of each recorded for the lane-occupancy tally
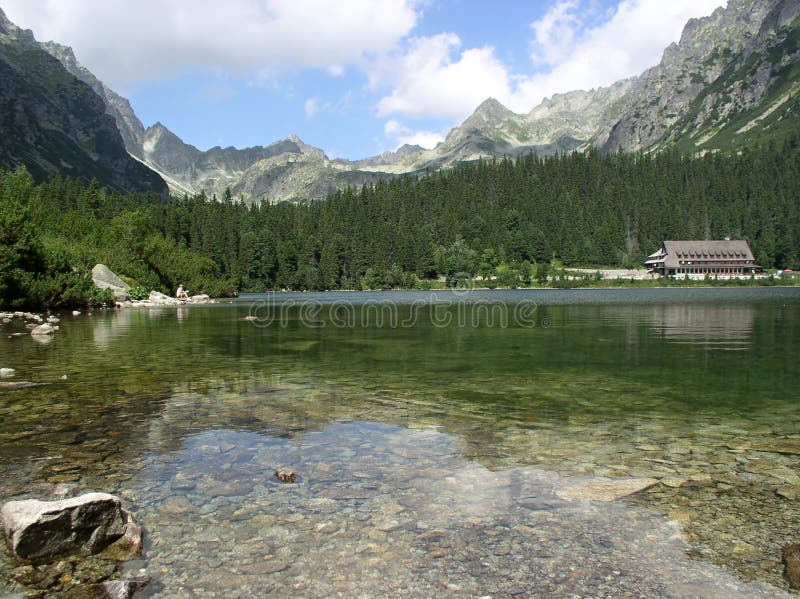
(490, 218)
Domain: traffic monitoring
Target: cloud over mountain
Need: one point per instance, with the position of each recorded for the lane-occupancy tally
(160, 39)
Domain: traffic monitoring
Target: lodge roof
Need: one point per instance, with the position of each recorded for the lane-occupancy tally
(726, 252)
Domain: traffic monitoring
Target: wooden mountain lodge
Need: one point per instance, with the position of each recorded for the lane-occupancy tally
(696, 259)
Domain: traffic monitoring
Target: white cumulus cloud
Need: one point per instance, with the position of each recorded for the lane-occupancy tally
(628, 43)
(158, 39)
(311, 107)
(572, 47)
(400, 134)
(554, 33)
(435, 78)
(425, 139)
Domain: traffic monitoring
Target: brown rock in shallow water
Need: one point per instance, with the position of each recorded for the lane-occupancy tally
(285, 475)
(123, 589)
(791, 562)
(129, 545)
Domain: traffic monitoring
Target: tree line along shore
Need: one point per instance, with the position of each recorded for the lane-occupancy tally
(510, 223)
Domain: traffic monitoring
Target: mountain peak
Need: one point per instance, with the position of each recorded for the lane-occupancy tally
(7, 28)
(491, 107)
(491, 113)
(60, 51)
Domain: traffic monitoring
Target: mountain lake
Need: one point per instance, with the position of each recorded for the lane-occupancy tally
(445, 444)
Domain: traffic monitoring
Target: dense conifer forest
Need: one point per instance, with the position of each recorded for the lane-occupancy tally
(507, 218)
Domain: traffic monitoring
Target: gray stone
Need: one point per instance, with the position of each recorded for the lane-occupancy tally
(160, 299)
(104, 278)
(43, 530)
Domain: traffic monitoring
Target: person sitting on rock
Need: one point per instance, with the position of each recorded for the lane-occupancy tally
(181, 293)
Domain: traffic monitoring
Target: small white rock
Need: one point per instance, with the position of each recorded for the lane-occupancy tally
(76, 312)
(7, 373)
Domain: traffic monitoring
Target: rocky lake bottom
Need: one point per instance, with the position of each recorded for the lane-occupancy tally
(463, 480)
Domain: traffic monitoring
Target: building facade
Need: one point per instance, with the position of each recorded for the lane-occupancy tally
(698, 259)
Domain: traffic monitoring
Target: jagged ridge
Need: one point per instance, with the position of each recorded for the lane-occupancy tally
(731, 79)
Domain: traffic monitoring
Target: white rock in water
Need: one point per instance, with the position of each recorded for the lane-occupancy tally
(7, 373)
(76, 312)
(43, 329)
(40, 531)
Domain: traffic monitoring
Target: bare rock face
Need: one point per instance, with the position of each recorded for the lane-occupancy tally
(41, 531)
(55, 123)
(724, 64)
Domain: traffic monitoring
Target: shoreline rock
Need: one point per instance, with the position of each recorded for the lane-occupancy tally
(41, 531)
(158, 299)
(104, 278)
(90, 534)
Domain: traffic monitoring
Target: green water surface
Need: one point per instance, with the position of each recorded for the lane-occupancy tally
(697, 388)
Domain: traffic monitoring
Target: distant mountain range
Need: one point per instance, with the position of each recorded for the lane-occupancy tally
(731, 80)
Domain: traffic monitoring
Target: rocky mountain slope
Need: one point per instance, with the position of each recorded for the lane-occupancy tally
(732, 79)
(51, 122)
(129, 125)
(285, 170)
(741, 59)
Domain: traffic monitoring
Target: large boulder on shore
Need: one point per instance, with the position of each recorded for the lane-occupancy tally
(41, 531)
(104, 278)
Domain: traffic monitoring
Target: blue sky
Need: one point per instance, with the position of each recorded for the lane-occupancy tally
(353, 77)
